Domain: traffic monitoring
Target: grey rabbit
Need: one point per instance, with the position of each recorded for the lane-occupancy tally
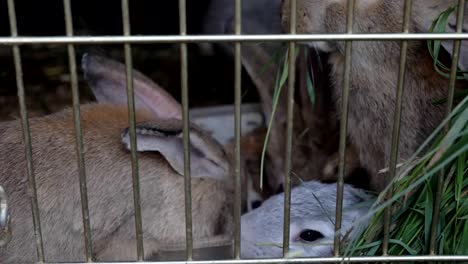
(109, 179)
(374, 74)
(312, 221)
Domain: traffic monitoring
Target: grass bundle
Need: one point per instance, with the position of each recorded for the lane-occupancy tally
(415, 187)
(414, 193)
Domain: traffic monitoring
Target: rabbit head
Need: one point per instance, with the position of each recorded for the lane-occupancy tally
(312, 221)
(375, 73)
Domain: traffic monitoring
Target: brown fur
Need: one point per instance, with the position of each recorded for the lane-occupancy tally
(109, 178)
(306, 135)
(374, 76)
(316, 137)
(109, 188)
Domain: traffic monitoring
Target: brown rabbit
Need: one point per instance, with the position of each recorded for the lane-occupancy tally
(251, 147)
(315, 139)
(109, 178)
(315, 133)
(374, 74)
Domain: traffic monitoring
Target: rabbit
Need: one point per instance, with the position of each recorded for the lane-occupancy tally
(315, 134)
(312, 221)
(251, 149)
(109, 177)
(374, 75)
(316, 131)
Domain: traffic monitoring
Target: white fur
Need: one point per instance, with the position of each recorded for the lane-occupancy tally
(312, 207)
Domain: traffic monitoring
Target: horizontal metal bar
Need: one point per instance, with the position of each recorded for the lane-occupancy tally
(227, 38)
(310, 260)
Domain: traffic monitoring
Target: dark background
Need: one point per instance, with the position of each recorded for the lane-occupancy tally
(45, 67)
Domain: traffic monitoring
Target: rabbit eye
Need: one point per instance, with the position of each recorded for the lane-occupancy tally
(255, 204)
(309, 235)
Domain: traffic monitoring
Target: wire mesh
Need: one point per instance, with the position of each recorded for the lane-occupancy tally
(183, 39)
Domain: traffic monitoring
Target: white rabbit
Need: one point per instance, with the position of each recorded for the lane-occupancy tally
(312, 221)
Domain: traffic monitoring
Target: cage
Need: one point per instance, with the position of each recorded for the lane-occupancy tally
(128, 39)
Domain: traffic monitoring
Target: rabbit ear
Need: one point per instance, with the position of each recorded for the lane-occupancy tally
(108, 81)
(207, 158)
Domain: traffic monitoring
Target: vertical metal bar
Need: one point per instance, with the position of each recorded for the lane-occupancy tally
(131, 118)
(237, 132)
(289, 132)
(186, 133)
(397, 123)
(78, 134)
(26, 134)
(452, 81)
(343, 129)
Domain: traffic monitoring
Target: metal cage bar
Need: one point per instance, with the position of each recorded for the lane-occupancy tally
(26, 134)
(397, 122)
(343, 129)
(132, 132)
(452, 81)
(237, 128)
(78, 133)
(186, 129)
(378, 259)
(183, 39)
(92, 40)
(289, 130)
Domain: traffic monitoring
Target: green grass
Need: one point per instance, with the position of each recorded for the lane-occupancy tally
(414, 194)
(438, 26)
(444, 153)
(281, 77)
